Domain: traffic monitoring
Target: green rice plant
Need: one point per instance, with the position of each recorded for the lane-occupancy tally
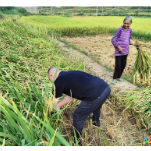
(86, 137)
(76, 140)
(12, 58)
(90, 126)
(98, 135)
(142, 66)
(27, 53)
(25, 127)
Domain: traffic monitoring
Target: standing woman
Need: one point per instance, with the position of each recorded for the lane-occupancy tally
(121, 42)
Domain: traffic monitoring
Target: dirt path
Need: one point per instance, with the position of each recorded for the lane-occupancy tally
(118, 130)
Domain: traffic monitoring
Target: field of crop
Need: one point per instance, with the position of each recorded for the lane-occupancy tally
(28, 49)
(82, 26)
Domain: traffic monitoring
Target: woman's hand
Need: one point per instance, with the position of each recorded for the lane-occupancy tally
(120, 49)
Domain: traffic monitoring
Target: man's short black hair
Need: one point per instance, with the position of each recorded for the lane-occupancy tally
(49, 69)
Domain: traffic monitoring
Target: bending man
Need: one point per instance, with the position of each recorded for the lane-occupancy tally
(91, 90)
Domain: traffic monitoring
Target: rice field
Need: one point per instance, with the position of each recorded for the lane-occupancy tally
(28, 49)
(81, 26)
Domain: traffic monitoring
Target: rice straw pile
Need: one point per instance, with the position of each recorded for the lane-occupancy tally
(142, 66)
(138, 102)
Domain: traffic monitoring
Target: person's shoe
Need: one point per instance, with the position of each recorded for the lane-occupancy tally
(96, 123)
(113, 82)
(121, 80)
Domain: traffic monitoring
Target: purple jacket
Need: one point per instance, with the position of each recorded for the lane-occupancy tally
(122, 38)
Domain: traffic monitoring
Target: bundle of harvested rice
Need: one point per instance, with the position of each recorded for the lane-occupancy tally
(142, 66)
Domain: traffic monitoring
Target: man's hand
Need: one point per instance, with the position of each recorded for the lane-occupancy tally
(56, 101)
(65, 101)
(120, 49)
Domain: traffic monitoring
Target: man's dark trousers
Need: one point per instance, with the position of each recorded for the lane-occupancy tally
(87, 107)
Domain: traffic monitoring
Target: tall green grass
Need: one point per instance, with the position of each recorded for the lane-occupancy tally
(25, 92)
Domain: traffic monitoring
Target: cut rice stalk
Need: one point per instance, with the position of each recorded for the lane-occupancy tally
(142, 66)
